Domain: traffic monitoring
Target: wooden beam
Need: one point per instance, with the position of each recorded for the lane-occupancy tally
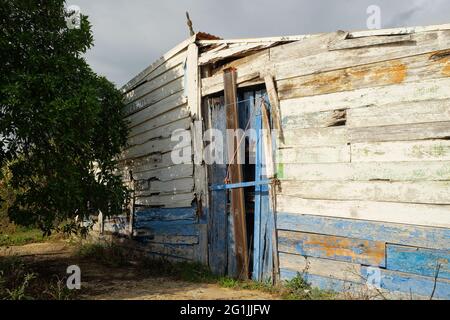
(275, 104)
(235, 175)
(267, 143)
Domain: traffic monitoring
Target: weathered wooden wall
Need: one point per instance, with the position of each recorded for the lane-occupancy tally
(364, 163)
(365, 160)
(168, 217)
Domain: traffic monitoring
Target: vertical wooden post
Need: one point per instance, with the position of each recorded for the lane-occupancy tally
(200, 178)
(275, 104)
(235, 175)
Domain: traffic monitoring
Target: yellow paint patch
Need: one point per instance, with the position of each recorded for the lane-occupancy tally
(446, 68)
(442, 58)
(336, 246)
(390, 73)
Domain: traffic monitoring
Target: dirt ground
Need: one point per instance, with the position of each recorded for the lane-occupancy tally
(100, 282)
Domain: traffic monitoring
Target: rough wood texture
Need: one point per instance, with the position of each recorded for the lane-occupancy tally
(157, 109)
(425, 237)
(404, 213)
(407, 282)
(315, 119)
(409, 69)
(421, 261)
(331, 154)
(399, 113)
(406, 92)
(331, 247)
(161, 80)
(431, 192)
(141, 76)
(366, 171)
(352, 43)
(169, 200)
(334, 60)
(314, 137)
(235, 175)
(416, 131)
(274, 104)
(426, 150)
(155, 96)
(163, 119)
(322, 267)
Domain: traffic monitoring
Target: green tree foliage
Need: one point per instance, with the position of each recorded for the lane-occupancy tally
(60, 123)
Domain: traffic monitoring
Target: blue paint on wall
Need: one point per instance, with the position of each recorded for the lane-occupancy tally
(435, 238)
(164, 214)
(321, 282)
(409, 283)
(420, 261)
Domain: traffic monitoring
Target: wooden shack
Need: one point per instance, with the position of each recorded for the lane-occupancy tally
(350, 183)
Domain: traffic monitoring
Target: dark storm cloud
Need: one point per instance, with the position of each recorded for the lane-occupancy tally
(129, 35)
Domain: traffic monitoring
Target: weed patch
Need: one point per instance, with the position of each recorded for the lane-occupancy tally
(18, 282)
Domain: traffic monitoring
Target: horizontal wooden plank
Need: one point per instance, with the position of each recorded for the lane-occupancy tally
(322, 282)
(153, 161)
(164, 214)
(247, 67)
(431, 192)
(162, 174)
(352, 43)
(397, 31)
(414, 131)
(149, 147)
(314, 154)
(321, 267)
(426, 90)
(418, 260)
(410, 69)
(427, 150)
(332, 247)
(427, 237)
(174, 250)
(334, 60)
(241, 81)
(309, 56)
(232, 50)
(310, 46)
(253, 40)
(404, 213)
(168, 200)
(315, 137)
(182, 185)
(149, 86)
(176, 60)
(180, 49)
(399, 113)
(407, 282)
(186, 227)
(166, 239)
(163, 119)
(366, 171)
(314, 119)
(117, 225)
(164, 131)
(157, 109)
(393, 286)
(171, 88)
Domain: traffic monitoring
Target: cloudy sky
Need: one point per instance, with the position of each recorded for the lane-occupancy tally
(130, 34)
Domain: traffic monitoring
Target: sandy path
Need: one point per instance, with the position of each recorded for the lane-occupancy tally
(100, 282)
